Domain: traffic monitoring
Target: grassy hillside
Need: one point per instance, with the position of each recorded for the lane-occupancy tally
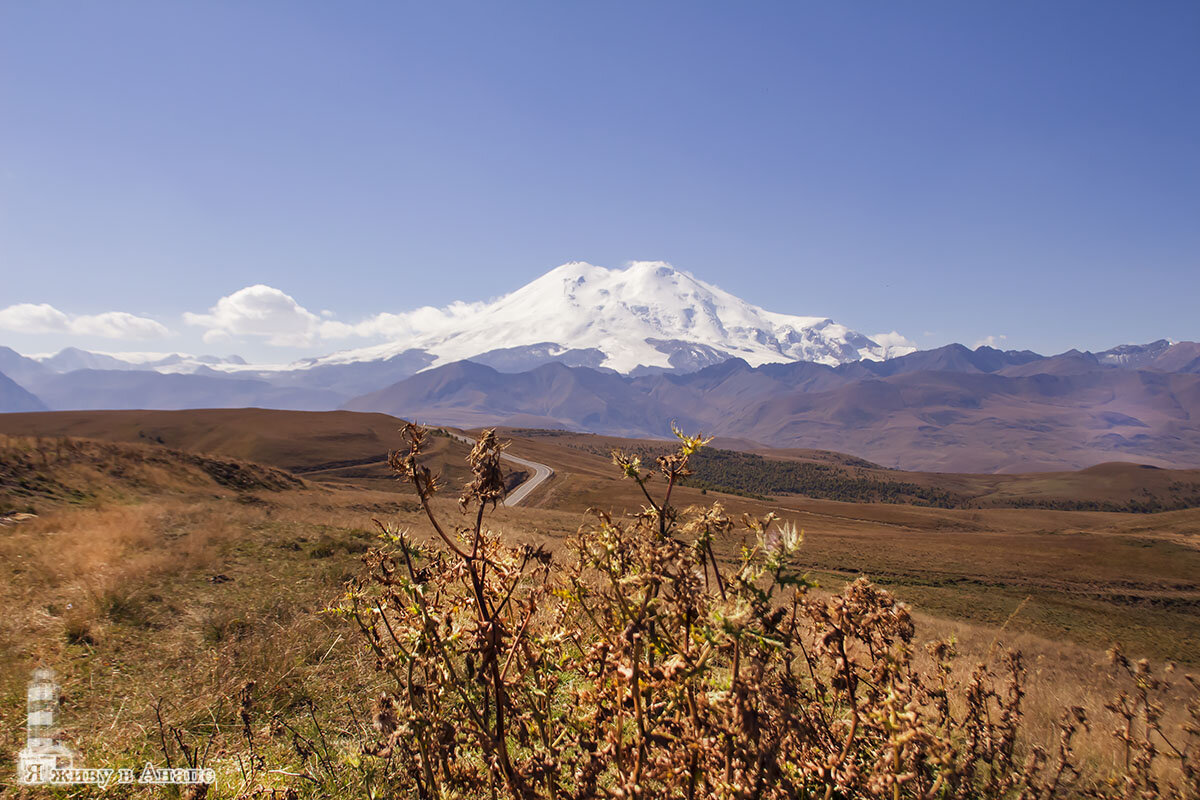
(1090, 577)
(352, 447)
(36, 473)
(328, 445)
(160, 584)
(1116, 486)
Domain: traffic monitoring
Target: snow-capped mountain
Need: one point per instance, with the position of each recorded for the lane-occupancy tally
(72, 358)
(647, 317)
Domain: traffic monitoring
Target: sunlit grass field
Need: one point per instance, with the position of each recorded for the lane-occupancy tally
(158, 585)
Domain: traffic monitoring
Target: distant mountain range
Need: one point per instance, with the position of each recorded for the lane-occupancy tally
(624, 352)
(15, 398)
(949, 409)
(647, 318)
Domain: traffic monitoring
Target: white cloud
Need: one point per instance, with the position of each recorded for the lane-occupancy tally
(274, 315)
(45, 318)
(990, 341)
(118, 325)
(31, 318)
(894, 344)
(263, 311)
(424, 320)
(893, 339)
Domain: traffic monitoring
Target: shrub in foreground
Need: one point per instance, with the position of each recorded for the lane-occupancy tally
(635, 664)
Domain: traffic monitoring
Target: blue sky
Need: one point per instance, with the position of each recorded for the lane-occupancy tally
(952, 171)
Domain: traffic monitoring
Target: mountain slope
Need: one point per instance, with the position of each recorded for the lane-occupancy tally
(942, 411)
(991, 423)
(99, 389)
(650, 315)
(15, 398)
(70, 359)
(21, 369)
(553, 395)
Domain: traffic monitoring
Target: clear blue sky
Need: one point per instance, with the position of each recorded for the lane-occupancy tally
(949, 170)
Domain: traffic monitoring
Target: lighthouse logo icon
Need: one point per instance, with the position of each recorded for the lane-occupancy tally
(43, 754)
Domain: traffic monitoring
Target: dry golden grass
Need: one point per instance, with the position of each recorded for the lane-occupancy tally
(1062, 675)
(159, 583)
(1093, 577)
(638, 671)
(331, 444)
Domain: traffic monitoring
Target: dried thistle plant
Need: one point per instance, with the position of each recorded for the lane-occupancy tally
(644, 667)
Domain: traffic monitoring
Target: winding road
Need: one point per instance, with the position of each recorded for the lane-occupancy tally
(540, 472)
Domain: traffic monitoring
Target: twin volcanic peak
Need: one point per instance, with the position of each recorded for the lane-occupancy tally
(584, 348)
(649, 316)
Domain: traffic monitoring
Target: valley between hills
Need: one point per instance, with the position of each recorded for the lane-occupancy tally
(171, 554)
(1107, 553)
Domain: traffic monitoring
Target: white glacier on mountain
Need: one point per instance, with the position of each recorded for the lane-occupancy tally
(649, 315)
(645, 318)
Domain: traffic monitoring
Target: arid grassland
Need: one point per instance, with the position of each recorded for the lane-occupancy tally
(180, 591)
(1086, 577)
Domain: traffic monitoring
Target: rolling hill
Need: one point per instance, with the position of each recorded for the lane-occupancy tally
(951, 409)
(351, 446)
(327, 445)
(1092, 574)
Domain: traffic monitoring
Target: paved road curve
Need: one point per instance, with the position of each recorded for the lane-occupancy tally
(540, 472)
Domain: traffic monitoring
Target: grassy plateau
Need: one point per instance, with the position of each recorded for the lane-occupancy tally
(177, 571)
